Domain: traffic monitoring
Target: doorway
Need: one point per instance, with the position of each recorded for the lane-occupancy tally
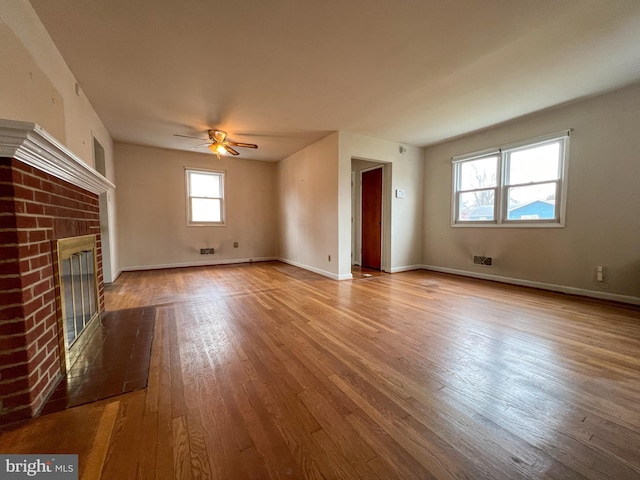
(103, 199)
(371, 228)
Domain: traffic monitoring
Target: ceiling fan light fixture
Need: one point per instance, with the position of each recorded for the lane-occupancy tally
(217, 148)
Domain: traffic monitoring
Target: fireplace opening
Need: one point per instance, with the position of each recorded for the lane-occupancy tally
(78, 282)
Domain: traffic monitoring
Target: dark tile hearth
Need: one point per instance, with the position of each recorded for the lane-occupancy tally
(115, 361)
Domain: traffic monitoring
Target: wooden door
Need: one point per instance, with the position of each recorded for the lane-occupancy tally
(372, 218)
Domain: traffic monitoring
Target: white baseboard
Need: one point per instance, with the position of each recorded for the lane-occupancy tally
(115, 276)
(484, 276)
(544, 286)
(227, 261)
(324, 273)
(406, 268)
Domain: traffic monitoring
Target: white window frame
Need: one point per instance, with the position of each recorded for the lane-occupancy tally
(500, 215)
(219, 173)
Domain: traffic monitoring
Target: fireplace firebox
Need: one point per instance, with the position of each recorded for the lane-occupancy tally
(78, 282)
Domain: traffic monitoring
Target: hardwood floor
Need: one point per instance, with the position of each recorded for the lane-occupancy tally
(268, 371)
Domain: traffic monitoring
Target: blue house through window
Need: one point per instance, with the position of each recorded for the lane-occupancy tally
(538, 209)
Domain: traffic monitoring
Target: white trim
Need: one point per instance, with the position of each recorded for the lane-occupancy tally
(29, 143)
(511, 224)
(532, 142)
(206, 170)
(489, 152)
(319, 271)
(541, 285)
(406, 268)
(511, 146)
(227, 261)
(114, 277)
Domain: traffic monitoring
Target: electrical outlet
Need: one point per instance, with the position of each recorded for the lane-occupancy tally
(329, 257)
(600, 273)
(235, 244)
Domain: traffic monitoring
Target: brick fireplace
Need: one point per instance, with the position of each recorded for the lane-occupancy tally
(46, 194)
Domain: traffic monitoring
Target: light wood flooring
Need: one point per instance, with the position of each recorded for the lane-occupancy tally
(268, 371)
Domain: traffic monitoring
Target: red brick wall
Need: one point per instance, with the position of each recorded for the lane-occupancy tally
(36, 209)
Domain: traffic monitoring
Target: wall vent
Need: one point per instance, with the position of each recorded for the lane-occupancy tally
(206, 251)
(485, 261)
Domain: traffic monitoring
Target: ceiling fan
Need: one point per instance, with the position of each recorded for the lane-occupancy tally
(219, 144)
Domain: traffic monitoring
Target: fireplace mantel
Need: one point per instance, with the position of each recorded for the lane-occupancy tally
(29, 143)
(47, 193)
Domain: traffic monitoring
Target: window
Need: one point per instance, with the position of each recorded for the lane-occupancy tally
(205, 197)
(522, 184)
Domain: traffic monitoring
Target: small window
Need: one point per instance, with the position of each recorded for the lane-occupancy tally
(521, 184)
(205, 197)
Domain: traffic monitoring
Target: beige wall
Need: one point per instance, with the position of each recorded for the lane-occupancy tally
(152, 228)
(603, 204)
(308, 207)
(316, 204)
(37, 86)
(402, 241)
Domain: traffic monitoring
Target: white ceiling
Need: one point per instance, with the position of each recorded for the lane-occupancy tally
(285, 73)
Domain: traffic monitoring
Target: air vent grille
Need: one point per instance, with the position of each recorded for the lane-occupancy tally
(484, 261)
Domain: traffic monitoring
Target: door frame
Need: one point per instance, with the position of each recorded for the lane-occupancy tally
(386, 216)
(99, 162)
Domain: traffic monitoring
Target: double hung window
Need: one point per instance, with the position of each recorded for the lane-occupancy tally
(521, 184)
(205, 197)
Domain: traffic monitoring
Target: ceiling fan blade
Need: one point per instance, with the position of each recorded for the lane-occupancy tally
(243, 145)
(231, 150)
(199, 145)
(188, 136)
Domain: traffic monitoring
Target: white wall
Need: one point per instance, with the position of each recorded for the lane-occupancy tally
(603, 204)
(308, 207)
(36, 85)
(152, 228)
(403, 242)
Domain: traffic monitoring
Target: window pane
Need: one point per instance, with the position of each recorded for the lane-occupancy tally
(534, 164)
(476, 206)
(536, 202)
(478, 173)
(204, 185)
(205, 210)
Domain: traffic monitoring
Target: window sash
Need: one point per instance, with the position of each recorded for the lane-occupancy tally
(459, 194)
(509, 162)
(206, 210)
(556, 209)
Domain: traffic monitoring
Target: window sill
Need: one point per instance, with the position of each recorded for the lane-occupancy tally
(508, 225)
(206, 224)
